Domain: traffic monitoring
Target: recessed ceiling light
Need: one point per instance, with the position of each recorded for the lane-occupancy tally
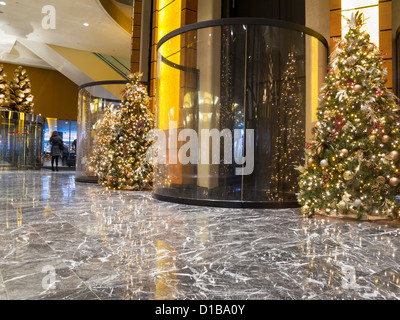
(86, 24)
(3, 3)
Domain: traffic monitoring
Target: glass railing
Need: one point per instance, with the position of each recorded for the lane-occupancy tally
(236, 100)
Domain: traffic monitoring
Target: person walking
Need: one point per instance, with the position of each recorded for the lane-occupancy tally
(57, 146)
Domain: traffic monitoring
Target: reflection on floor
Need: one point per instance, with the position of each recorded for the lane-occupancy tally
(64, 240)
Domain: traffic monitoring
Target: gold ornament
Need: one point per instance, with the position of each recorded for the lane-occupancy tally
(386, 139)
(395, 156)
(338, 84)
(348, 175)
(344, 152)
(394, 182)
(358, 88)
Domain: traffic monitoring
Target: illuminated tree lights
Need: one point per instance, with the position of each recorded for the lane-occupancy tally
(119, 157)
(352, 165)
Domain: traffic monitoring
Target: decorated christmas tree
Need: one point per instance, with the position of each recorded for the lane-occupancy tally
(105, 134)
(4, 90)
(352, 166)
(20, 91)
(288, 151)
(119, 157)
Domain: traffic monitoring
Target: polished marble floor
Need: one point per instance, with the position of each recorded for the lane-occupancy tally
(65, 240)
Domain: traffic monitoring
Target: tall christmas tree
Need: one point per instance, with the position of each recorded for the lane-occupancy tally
(119, 157)
(288, 150)
(20, 91)
(353, 162)
(4, 90)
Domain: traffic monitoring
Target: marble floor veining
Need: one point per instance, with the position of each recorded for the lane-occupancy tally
(65, 240)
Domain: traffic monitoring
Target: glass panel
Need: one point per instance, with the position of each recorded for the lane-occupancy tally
(20, 140)
(93, 102)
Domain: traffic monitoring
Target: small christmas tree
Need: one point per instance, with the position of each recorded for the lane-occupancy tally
(119, 156)
(20, 91)
(353, 162)
(288, 151)
(4, 90)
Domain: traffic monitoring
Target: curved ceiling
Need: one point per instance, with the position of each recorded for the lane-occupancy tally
(22, 19)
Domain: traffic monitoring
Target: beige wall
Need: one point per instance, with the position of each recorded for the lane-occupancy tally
(317, 13)
(55, 95)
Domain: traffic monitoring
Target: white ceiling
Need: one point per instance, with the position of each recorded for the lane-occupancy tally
(22, 19)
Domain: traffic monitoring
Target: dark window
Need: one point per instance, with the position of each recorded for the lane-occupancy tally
(288, 10)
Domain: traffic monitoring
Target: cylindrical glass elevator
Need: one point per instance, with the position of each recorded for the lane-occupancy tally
(235, 102)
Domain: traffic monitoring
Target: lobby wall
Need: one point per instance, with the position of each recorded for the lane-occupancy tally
(136, 36)
(55, 95)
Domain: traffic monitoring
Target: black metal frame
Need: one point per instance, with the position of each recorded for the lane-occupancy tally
(244, 21)
(102, 83)
(233, 204)
(397, 89)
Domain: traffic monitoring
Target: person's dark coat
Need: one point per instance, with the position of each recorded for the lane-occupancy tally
(56, 143)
